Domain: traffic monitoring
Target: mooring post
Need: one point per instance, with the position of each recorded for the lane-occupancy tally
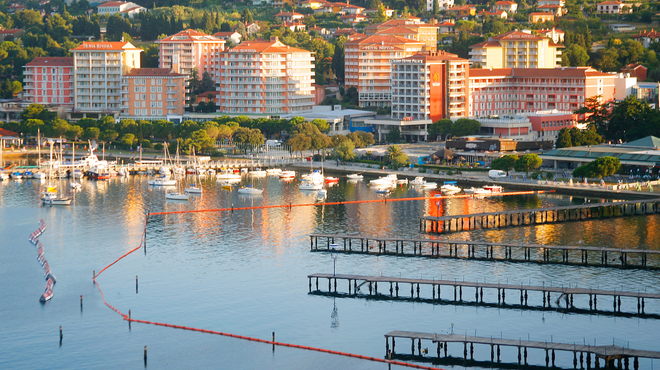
(136, 284)
(81, 303)
(129, 319)
(145, 356)
(61, 336)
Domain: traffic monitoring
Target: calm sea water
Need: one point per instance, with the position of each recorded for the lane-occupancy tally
(246, 273)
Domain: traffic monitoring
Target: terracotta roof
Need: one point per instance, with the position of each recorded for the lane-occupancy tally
(446, 24)
(547, 31)
(462, 7)
(221, 34)
(438, 56)
(190, 36)
(105, 45)
(552, 43)
(51, 61)
(287, 14)
(383, 40)
(542, 13)
(4, 132)
(651, 33)
(206, 94)
(486, 44)
(558, 72)
(505, 3)
(156, 72)
(517, 35)
(549, 6)
(396, 30)
(348, 16)
(114, 3)
(261, 46)
(633, 66)
(483, 72)
(610, 3)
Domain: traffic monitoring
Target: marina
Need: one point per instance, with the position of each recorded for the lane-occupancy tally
(563, 296)
(485, 250)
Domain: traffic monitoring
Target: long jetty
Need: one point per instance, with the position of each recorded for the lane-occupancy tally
(567, 294)
(537, 216)
(484, 250)
(609, 353)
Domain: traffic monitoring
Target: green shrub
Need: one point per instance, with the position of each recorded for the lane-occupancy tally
(422, 170)
(158, 146)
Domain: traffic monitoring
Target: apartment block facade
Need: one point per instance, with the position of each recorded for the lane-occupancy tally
(266, 77)
(99, 68)
(430, 86)
(508, 91)
(153, 93)
(368, 65)
(516, 49)
(191, 49)
(49, 80)
(408, 28)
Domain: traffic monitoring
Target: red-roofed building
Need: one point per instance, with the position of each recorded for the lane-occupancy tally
(266, 77)
(556, 10)
(190, 49)
(635, 70)
(368, 65)
(153, 93)
(411, 28)
(232, 36)
(13, 8)
(554, 34)
(11, 33)
(123, 7)
(446, 27)
(463, 11)
(49, 80)
(647, 38)
(503, 91)
(98, 71)
(520, 49)
(507, 6)
(289, 16)
(353, 18)
(613, 7)
(371, 12)
(536, 17)
(496, 14)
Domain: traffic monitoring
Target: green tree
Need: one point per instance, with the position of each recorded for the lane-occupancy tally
(440, 128)
(528, 162)
(201, 140)
(248, 136)
(91, 133)
(207, 83)
(504, 163)
(108, 136)
(465, 127)
(247, 16)
(574, 56)
(601, 167)
(322, 125)
(149, 59)
(380, 15)
(564, 139)
(393, 136)
(344, 151)
(436, 7)
(298, 143)
(128, 140)
(74, 132)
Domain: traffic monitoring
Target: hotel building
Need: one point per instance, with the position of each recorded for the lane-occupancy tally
(49, 80)
(508, 91)
(153, 93)
(369, 68)
(266, 77)
(194, 49)
(99, 68)
(407, 28)
(430, 86)
(516, 49)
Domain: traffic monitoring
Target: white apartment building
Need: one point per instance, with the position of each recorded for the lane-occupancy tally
(195, 50)
(99, 68)
(268, 77)
(122, 7)
(442, 4)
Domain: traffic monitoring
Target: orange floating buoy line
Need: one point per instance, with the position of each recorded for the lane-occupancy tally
(273, 342)
(50, 278)
(385, 200)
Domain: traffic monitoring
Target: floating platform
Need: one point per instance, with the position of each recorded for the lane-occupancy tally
(484, 250)
(537, 216)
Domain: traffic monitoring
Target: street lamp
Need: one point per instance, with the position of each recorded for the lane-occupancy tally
(334, 254)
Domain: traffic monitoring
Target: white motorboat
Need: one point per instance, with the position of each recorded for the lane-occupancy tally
(273, 171)
(419, 180)
(287, 174)
(494, 188)
(17, 176)
(477, 191)
(402, 181)
(354, 176)
(322, 193)
(226, 175)
(123, 172)
(175, 195)
(162, 181)
(4, 176)
(27, 174)
(249, 190)
(193, 190)
(450, 189)
(258, 173)
(39, 175)
(75, 185)
(428, 185)
(164, 170)
(387, 180)
(310, 185)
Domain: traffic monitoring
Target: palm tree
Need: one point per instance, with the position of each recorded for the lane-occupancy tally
(393, 151)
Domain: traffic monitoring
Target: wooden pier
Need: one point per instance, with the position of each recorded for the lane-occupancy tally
(610, 353)
(538, 216)
(562, 295)
(484, 250)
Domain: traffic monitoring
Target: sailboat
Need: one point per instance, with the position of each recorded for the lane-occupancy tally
(176, 194)
(250, 189)
(194, 189)
(164, 179)
(39, 174)
(74, 185)
(51, 196)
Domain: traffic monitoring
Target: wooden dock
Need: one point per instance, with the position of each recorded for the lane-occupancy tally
(538, 216)
(609, 353)
(562, 295)
(484, 250)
